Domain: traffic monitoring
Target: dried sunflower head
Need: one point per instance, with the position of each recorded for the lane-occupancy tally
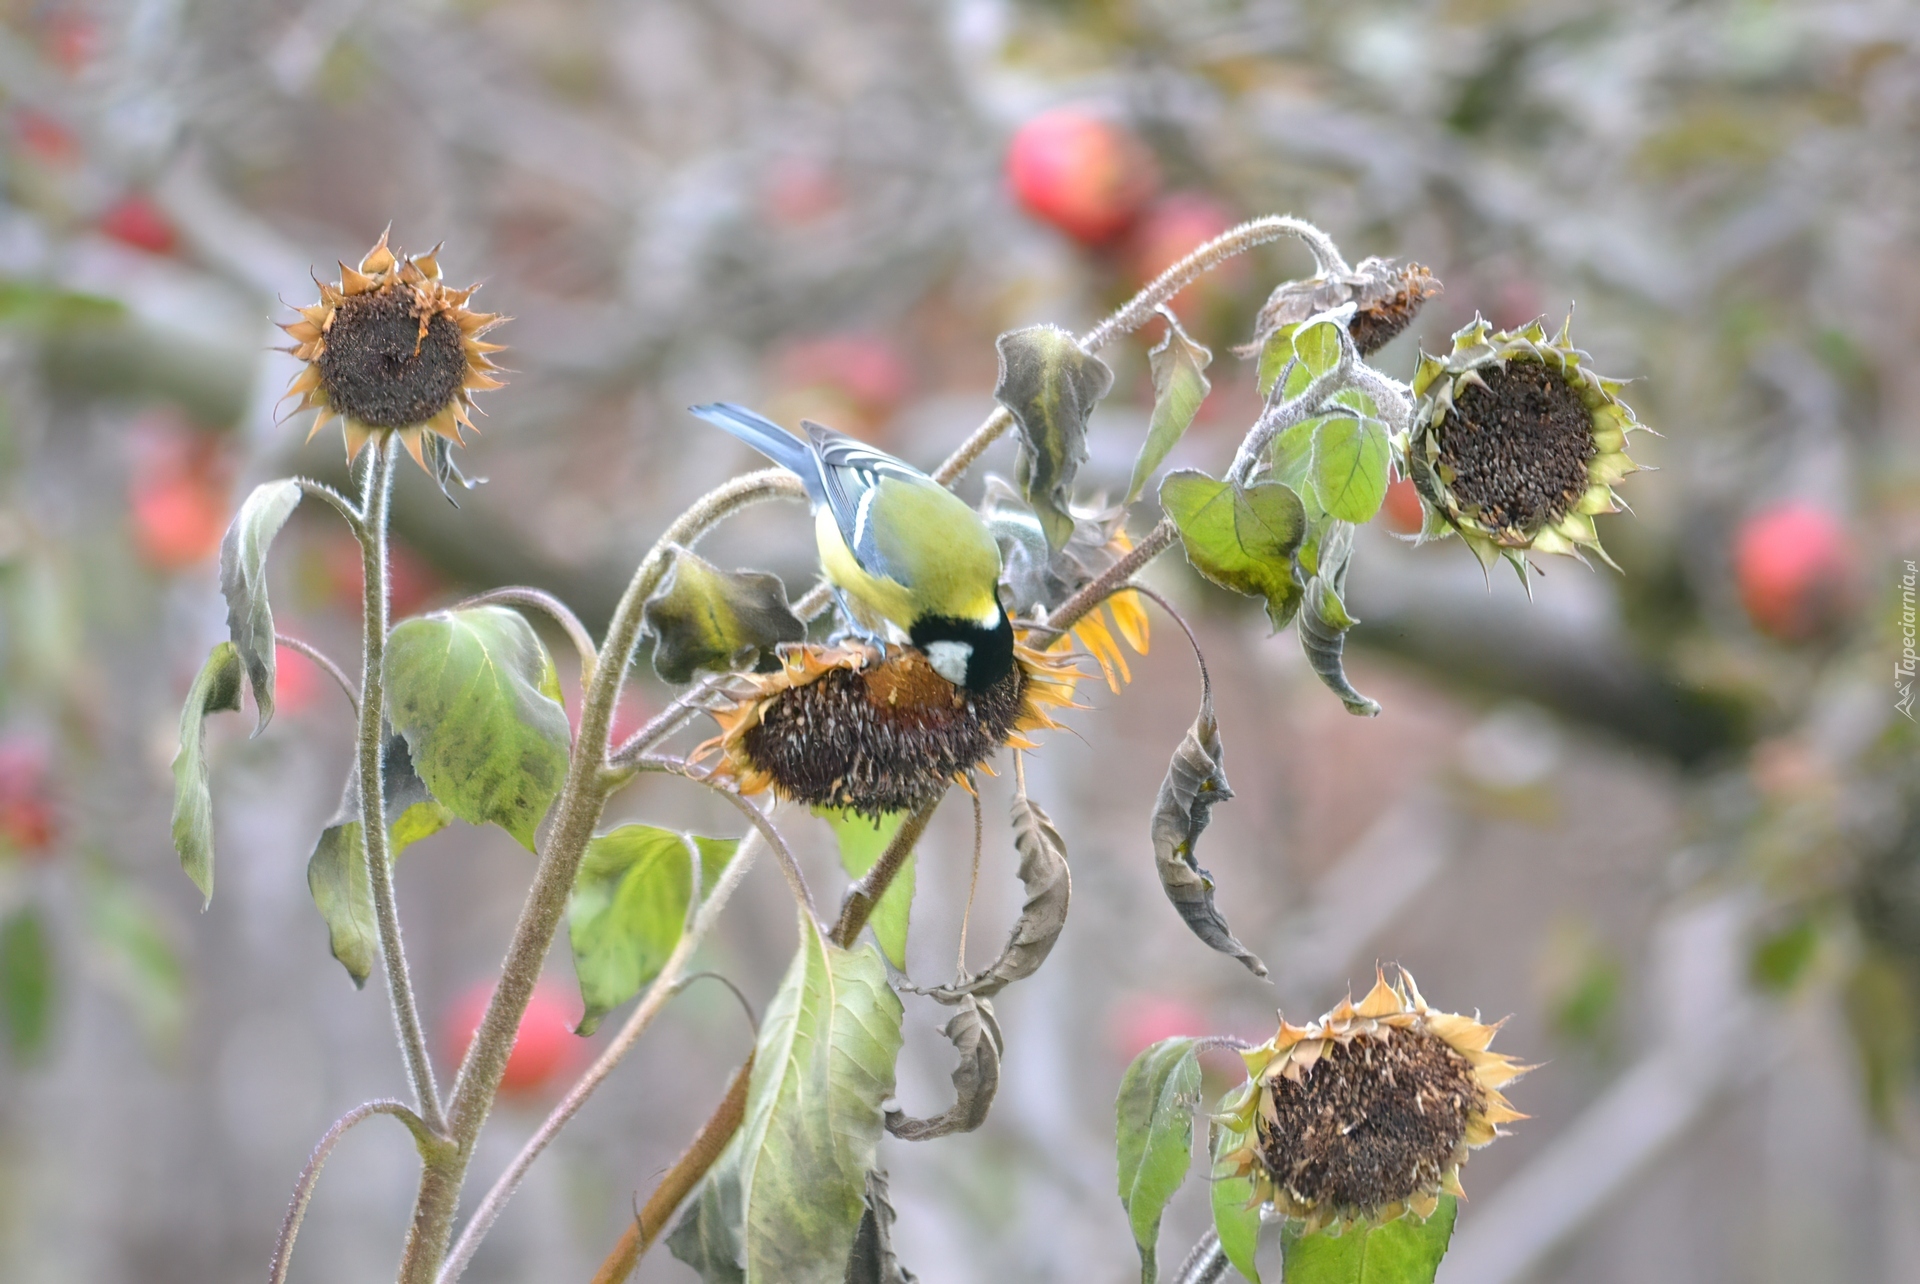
(838, 726)
(1368, 1113)
(390, 349)
(1386, 298)
(1516, 444)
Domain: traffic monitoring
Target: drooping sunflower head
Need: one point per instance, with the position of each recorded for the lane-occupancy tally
(389, 348)
(1386, 297)
(839, 726)
(1367, 1113)
(1516, 444)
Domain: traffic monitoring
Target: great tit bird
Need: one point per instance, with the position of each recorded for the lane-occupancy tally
(906, 556)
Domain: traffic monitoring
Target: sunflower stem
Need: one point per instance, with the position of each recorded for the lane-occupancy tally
(346, 507)
(310, 1175)
(1138, 310)
(375, 502)
(583, 796)
(864, 895)
(664, 986)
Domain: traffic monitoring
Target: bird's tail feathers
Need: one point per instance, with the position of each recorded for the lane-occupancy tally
(765, 436)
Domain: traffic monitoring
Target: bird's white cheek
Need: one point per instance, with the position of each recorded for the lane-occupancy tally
(949, 660)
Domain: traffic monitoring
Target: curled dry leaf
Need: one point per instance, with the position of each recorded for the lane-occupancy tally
(1195, 781)
(1043, 870)
(1324, 621)
(872, 1260)
(975, 1035)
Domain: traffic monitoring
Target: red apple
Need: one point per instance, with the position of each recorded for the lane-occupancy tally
(1173, 227)
(297, 681)
(45, 138)
(798, 190)
(1084, 175)
(544, 1052)
(71, 40)
(1401, 511)
(1795, 567)
(135, 220)
(1142, 1020)
(868, 369)
(411, 582)
(28, 824)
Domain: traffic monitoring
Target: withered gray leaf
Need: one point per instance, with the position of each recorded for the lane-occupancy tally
(702, 617)
(438, 452)
(243, 580)
(1050, 384)
(975, 1035)
(1043, 869)
(872, 1260)
(1034, 574)
(1324, 620)
(1196, 780)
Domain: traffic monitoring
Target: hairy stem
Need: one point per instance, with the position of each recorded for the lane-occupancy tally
(1110, 581)
(679, 1181)
(1138, 310)
(559, 611)
(861, 898)
(1283, 413)
(582, 797)
(664, 987)
(373, 785)
(864, 895)
(310, 1175)
(325, 661)
(321, 491)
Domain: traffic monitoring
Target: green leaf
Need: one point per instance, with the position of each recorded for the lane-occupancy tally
(784, 1200)
(1404, 1251)
(49, 308)
(1153, 1125)
(1291, 457)
(1196, 782)
(1275, 353)
(1317, 347)
(1179, 386)
(1350, 466)
(861, 841)
(337, 874)
(702, 617)
(243, 579)
(133, 955)
(26, 982)
(1236, 1215)
(215, 690)
(1782, 957)
(629, 907)
(1241, 538)
(1050, 384)
(476, 696)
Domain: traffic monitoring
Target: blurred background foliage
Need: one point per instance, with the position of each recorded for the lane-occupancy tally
(824, 207)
